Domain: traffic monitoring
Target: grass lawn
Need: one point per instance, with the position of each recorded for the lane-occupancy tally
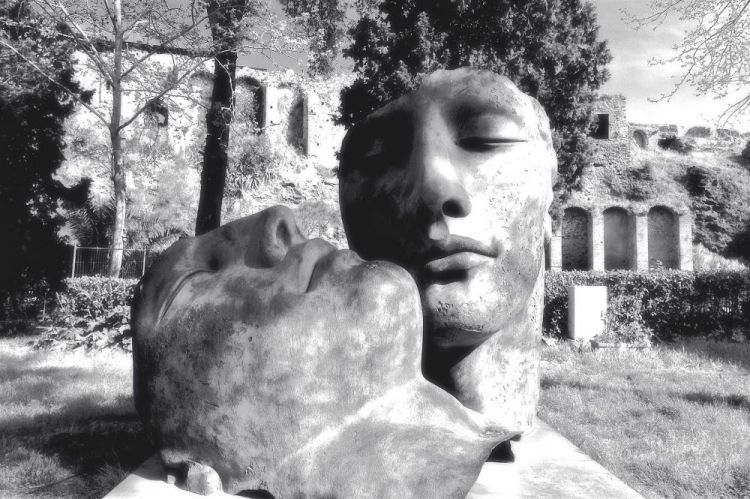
(673, 421)
(67, 423)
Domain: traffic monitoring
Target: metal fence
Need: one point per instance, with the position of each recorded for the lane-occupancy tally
(87, 261)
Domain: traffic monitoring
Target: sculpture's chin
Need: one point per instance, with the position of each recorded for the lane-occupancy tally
(462, 314)
(466, 312)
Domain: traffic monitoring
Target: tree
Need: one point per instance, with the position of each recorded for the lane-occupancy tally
(714, 53)
(232, 22)
(225, 18)
(117, 41)
(549, 48)
(323, 23)
(33, 109)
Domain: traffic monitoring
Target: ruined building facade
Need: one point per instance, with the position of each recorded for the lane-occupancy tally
(600, 232)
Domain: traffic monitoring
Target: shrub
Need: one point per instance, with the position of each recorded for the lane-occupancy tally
(94, 297)
(665, 303)
(674, 143)
(635, 184)
(720, 208)
(91, 312)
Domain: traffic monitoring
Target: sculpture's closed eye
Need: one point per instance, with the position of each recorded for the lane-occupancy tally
(487, 130)
(175, 289)
(483, 144)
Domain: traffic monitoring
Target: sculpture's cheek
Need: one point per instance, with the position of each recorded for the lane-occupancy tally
(493, 296)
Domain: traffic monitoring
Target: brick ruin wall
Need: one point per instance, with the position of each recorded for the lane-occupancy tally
(615, 150)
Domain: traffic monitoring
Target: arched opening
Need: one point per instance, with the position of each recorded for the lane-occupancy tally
(663, 238)
(618, 239)
(296, 132)
(576, 239)
(250, 101)
(640, 138)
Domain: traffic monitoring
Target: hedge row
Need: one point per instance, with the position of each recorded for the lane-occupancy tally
(666, 303)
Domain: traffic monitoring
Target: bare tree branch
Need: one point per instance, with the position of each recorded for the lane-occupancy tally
(165, 44)
(162, 93)
(714, 53)
(87, 46)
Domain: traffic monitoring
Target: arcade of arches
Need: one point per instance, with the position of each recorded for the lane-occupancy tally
(616, 238)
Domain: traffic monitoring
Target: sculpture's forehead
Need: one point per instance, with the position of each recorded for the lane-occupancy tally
(463, 92)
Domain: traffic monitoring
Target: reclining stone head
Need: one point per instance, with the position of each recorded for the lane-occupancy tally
(283, 364)
(453, 182)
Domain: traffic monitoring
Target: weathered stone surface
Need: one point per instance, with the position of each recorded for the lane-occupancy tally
(453, 183)
(288, 366)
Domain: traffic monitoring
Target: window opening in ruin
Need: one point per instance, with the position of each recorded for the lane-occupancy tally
(250, 102)
(296, 133)
(618, 239)
(576, 239)
(601, 130)
(639, 136)
(157, 113)
(259, 102)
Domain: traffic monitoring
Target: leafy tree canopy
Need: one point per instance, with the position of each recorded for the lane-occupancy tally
(549, 48)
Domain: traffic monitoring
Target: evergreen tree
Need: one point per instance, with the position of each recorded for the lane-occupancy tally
(32, 110)
(549, 48)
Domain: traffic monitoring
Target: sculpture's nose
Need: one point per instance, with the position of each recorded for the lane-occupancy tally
(441, 188)
(279, 232)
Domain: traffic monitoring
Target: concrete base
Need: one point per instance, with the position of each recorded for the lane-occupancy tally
(546, 466)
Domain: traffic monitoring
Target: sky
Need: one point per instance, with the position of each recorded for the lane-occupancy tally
(639, 81)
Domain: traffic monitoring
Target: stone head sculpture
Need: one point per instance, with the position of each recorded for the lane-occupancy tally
(269, 361)
(453, 182)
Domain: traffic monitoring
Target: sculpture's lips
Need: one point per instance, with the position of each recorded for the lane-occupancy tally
(327, 262)
(457, 261)
(458, 253)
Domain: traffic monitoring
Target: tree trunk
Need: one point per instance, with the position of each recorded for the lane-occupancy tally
(118, 169)
(215, 158)
(120, 195)
(225, 18)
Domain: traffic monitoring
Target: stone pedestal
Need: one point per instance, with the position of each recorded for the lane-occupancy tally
(546, 465)
(587, 311)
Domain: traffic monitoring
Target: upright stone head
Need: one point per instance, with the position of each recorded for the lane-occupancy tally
(269, 361)
(453, 182)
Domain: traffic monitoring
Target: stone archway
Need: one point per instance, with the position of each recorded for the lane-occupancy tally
(663, 238)
(618, 239)
(576, 239)
(641, 139)
(296, 131)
